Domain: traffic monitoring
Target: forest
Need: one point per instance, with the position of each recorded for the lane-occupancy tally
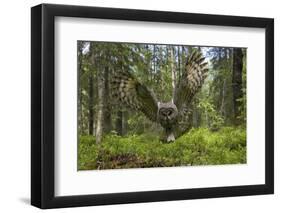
(113, 135)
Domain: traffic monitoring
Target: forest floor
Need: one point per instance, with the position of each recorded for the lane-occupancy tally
(197, 147)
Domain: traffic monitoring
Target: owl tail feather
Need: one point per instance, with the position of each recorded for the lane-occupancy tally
(171, 137)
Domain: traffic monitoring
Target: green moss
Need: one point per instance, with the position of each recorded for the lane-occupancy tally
(197, 147)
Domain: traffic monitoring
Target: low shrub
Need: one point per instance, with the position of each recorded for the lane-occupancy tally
(197, 147)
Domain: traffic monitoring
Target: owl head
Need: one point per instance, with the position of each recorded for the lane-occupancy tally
(167, 113)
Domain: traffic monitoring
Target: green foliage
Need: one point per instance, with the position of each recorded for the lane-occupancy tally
(212, 119)
(197, 147)
(87, 152)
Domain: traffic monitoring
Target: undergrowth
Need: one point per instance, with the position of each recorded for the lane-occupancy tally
(197, 147)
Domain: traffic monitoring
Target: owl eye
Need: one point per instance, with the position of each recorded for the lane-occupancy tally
(166, 112)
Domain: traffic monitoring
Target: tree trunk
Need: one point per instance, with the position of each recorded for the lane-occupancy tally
(119, 123)
(173, 71)
(183, 59)
(80, 98)
(107, 105)
(222, 107)
(154, 63)
(179, 62)
(125, 122)
(100, 106)
(91, 104)
(237, 82)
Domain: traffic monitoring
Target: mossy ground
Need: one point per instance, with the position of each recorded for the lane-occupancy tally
(197, 147)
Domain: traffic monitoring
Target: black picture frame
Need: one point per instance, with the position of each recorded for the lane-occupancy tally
(43, 105)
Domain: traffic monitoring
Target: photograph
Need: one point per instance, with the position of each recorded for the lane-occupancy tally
(160, 105)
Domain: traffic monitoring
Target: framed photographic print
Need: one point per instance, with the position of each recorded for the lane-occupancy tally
(139, 106)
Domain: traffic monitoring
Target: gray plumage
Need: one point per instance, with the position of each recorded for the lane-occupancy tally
(173, 115)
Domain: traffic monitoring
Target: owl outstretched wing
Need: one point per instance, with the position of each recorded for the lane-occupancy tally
(195, 72)
(126, 89)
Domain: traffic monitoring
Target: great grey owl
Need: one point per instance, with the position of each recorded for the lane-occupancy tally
(173, 116)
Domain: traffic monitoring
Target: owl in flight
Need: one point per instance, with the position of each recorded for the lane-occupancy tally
(173, 116)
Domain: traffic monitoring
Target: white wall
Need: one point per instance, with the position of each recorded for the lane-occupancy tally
(15, 105)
